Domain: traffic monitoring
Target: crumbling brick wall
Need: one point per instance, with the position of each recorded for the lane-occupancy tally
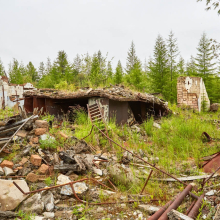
(191, 92)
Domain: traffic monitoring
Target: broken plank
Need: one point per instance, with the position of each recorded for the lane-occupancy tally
(67, 167)
(188, 178)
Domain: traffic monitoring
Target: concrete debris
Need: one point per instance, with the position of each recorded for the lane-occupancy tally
(33, 204)
(8, 171)
(148, 208)
(48, 200)
(175, 215)
(10, 196)
(211, 193)
(217, 214)
(156, 125)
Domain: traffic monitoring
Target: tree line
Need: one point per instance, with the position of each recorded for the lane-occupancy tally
(157, 75)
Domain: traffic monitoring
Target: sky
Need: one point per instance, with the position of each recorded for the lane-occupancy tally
(32, 30)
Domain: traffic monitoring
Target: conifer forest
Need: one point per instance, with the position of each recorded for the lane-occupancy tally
(158, 74)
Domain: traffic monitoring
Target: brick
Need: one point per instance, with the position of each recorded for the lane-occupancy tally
(40, 131)
(35, 140)
(36, 160)
(22, 133)
(41, 124)
(43, 169)
(62, 135)
(23, 161)
(7, 163)
(31, 177)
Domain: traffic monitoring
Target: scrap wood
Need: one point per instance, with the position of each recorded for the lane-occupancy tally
(26, 120)
(188, 178)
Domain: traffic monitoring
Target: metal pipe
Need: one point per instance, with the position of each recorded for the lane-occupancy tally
(177, 201)
(146, 181)
(210, 177)
(157, 214)
(195, 210)
(189, 209)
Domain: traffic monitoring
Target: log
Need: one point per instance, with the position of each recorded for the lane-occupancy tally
(67, 167)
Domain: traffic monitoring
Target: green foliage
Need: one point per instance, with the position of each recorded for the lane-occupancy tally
(212, 5)
(48, 181)
(49, 143)
(2, 69)
(63, 85)
(24, 216)
(6, 113)
(118, 77)
(148, 126)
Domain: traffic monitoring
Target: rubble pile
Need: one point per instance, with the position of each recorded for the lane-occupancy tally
(40, 177)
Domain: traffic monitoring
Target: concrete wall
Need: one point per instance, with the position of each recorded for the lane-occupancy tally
(12, 95)
(191, 92)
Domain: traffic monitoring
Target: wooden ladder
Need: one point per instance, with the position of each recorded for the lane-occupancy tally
(97, 118)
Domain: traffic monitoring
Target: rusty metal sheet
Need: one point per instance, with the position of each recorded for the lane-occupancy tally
(212, 165)
(28, 104)
(118, 110)
(39, 103)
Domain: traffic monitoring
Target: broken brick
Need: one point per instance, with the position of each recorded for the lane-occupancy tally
(40, 131)
(41, 124)
(21, 133)
(7, 163)
(36, 160)
(23, 161)
(43, 169)
(31, 177)
(61, 134)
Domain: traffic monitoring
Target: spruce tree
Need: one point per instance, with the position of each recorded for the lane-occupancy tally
(191, 69)
(95, 75)
(172, 52)
(159, 69)
(205, 64)
(181, 69)
(41, 70)
(109, 70)
(132, 59)
(15, 72)
(61, 63)
(31, 73)
(118, 73)
(2, 69)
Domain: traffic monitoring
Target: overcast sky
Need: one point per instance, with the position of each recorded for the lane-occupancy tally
(32, 30)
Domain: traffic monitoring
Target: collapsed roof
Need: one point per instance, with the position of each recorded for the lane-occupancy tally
(50, 97)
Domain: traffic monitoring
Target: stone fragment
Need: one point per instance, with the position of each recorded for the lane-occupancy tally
(66, 158)
(36, 160)
(35, 140)
(33, 204)
(7, 163)
(48, 200)
(31, 177)
(22, 133)
(41, 124)
(175, 215)
(43, 169)
(40, 131)
(214, 107)
(48, 214)
(8, 171)
(37, 218)
(148, 209)
(56, 158)
(23, 161)
(62, 179)
(100, 209)
(211, 193)
(97, 171)
(79, 188)
(1, 172)
(64, 215)
(156, 125)
(10, 195)
(62, 135)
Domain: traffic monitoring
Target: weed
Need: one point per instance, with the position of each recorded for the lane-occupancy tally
(48, 143)
(24, 216)
(48, 181)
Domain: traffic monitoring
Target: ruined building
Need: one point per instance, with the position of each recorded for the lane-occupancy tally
(191, 92)
(11, 95)
(116, 102)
